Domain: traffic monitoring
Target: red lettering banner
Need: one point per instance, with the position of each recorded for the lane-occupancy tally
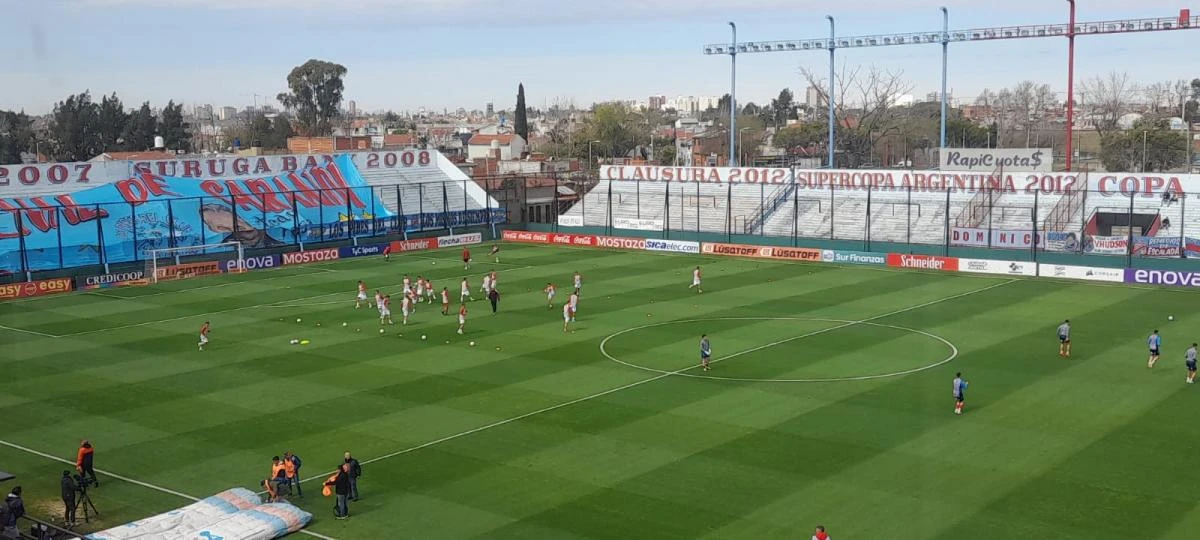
(923, 262)
(35, 288)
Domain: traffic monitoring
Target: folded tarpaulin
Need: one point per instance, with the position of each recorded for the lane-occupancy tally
(235, 514)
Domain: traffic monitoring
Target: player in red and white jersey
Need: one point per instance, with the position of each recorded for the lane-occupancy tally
(549, 290)
(445, 301)
(462, 318)
(568, 316)
(362, 295)
(494, 281)
(385, 310)
(203, 335)
(496, 252)
(574, 303)
(465, 293)
(430, 293)
(407, 284)
(578, 278)
(406, 307)
(696, 280)
(378, 299)
(487, 284)
(420, 288)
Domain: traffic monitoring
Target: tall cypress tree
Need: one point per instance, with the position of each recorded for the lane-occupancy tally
(520, 122)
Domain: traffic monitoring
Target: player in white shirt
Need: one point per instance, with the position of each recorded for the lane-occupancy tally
(696, 280)
(420, 288)
(549, 290)
(568, 316)
(574, 304)
(494, 281)
(385, 310)
(406, 306)
(445, 301)
(407, 285)
(362, 295)
(465, 293)
(578, 282)
(487, 284)
(378, 300)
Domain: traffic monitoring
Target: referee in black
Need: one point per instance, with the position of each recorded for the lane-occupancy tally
(494, 298)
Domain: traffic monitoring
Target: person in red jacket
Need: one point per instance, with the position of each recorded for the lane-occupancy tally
(83, 461)
(820, 534)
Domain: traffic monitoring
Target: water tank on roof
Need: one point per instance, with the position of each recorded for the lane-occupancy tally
(159, 142)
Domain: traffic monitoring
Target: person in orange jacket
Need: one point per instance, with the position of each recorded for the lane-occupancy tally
(83, 461)
(279, 477)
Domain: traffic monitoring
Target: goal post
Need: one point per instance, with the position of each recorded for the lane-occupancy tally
(191, 261)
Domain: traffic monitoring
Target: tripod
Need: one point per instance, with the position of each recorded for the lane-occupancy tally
(84, 501)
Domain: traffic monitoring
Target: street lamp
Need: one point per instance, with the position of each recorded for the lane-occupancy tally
(732, 95)
(590, 160)
(1144, 150)
(832, 128)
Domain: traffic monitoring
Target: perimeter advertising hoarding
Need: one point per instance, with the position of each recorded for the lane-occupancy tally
(40, 287)
(1086, 273)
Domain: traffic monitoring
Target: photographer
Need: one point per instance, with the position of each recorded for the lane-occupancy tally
(83, 461)
(16, 509)
(69, 487)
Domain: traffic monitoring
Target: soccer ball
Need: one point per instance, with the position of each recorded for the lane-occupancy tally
(434, 262)
(472, 343)
(422, 337)
(343, 324)
(297, 320)
(294, 342)
(358, 329)
(380, 330)
(1170, 317)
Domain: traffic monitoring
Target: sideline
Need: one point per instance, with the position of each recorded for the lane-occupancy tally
(132, 481)
(634, 384)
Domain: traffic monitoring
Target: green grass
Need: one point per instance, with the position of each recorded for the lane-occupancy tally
(534, 433)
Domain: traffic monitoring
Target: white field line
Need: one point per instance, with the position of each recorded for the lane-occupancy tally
(649, 380)
(280, 303)
(127, 479)
(30, 332)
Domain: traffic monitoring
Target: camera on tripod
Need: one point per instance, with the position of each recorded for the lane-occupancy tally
(83, 482)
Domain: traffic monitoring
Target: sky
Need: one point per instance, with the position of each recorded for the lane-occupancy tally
(407, 54)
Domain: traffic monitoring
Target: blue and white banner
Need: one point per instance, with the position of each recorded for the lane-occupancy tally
(853, 257)
(674, 246)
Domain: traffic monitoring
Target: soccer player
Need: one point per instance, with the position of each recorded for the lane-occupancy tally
(466, 255)
(496, 252)
(705, 351)
(494, 281)
(568, 316)
(578, 283)
(387, 252)
(430, 294)
(1064, 339)
(1189, 358)
(465, 293)
(1154, 342)
(696, 279)
(406, 308)
(445, 301)
(549, 290)
(385, 309)
(378, 299)
(420, 288)
(362, 295)
(487, 284)
(407, 285)
(820, 533)
(960, 392)
(203, 335)
(462, 318)
(573, 301)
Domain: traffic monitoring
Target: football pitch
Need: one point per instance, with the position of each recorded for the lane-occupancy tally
(829, 401)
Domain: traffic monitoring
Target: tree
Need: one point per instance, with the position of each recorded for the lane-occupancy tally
(173, 129)
(616, 127)
(1108, 98)
(802, 135)
(520, 121)
(964, 133)
(140, 128)
(315, 95)
(281, 131)
(112, 122)
(750, 109)
(783, 108)
(1150, 145)
(665, 153)
(75, 128)
(16, 136)
(865, 109)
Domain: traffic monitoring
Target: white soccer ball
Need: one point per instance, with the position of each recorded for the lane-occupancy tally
(422, 337)
(294, 341)
(343, 324)
(1170, 317)
(297, 320)
(380, 330)
(434, 262)
(472, 343)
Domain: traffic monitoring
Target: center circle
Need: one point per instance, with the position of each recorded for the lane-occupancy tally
(689, 371)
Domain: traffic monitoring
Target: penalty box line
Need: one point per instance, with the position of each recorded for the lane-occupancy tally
(133, 481)
(635, 384)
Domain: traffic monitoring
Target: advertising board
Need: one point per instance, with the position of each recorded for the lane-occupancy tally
(189, 270)
(674, 246)
(761, 252)
(40, 287)
(252, 263)
(116, 279)
(995, 238)
(1086, 273)
(361, 250)
(1154, 246)
(853, 257)
(1004, 268)
(1106, 245)
(311, 256)
(638, 224)
(922, 262)
(991, 159)
(459, 240)
(569, 220)
(415, 244)
(1170, 278)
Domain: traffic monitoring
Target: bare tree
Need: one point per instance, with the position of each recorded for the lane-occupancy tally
(1159, 98)
(1107, 98)
(866, 109)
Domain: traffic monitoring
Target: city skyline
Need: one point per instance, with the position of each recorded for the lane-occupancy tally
(464, 60)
